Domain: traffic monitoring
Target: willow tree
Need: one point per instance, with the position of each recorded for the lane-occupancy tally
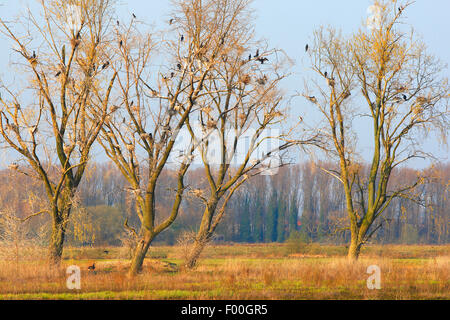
(156, 103)
(241, 124)
(48, 115)
(383, 78)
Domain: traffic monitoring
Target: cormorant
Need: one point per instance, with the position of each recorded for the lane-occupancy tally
(262, 60)
(182, 38)
(306, 48)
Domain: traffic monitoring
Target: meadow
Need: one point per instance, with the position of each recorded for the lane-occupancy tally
(235, 272)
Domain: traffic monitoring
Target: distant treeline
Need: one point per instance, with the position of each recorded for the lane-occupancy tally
(300, 201)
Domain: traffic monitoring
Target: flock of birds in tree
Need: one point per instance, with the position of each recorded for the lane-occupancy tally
(331, 81)
(257, 57)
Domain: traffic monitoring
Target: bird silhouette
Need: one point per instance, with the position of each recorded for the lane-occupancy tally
(257, 53)
(92, 268)
(134, 16)
(249, 57)
(58, 74)
(182, 38)
(34, 55)
(120, 43)
(262, 60)
(326, 74)
(105, 65)
(179, 66)
(306, 48)
(405, 97)
(118, 23)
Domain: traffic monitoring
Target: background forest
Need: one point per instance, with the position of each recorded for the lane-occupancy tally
(300, 202)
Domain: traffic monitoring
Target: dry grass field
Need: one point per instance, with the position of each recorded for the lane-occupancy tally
(274, 271)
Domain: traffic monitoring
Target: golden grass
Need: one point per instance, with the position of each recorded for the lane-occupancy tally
(236, 272)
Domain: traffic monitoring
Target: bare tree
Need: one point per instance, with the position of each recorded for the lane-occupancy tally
(50, 119)
(153, 108)
(241, 125)
(404, 96)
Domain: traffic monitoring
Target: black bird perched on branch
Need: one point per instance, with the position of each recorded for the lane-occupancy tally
(91, 268)
(134, 16)
(118, 23)
(120, 43)
(326, 74)
(306, 48)
(405, 97)
(34, 55)
(57, 74)
(249, 57)
(105, 65)
(179, 66)
(182, 38)
(257, 53)
(262, 60)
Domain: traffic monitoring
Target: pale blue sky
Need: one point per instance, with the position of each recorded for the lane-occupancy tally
(288, 24)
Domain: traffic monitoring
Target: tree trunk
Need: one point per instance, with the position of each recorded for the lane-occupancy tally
(355, 247)
(203, 235)
(56, 243)
(139, 254)
(194, 255)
